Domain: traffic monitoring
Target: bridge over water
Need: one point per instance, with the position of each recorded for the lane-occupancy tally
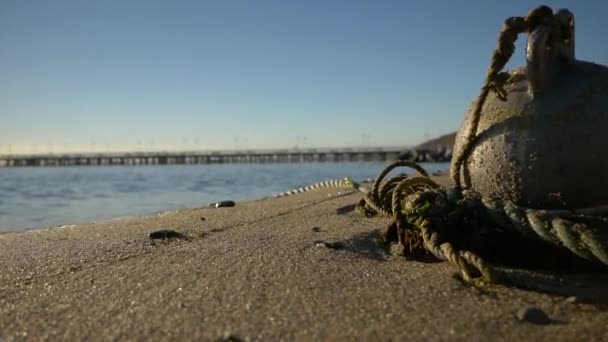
(220, 157)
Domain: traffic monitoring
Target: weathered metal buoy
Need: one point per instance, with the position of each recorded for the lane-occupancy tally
(542, 131)
(520, 166)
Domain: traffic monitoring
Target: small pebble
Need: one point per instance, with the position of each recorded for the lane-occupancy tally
(533, 315)
(203, 219)
(222, 204)
(572, 299)
(316, 229)
(166, 234)
(396, 249)
(229, 338)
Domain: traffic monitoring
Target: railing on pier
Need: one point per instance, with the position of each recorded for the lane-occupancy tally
(223, 157)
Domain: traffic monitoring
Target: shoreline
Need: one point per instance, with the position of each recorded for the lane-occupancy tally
(439, 174)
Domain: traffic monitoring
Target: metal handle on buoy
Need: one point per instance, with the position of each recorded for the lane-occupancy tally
(546, 48)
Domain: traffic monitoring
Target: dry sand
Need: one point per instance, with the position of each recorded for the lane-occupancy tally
(255, 272)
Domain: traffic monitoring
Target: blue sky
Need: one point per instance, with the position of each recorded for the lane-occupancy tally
(128, 75)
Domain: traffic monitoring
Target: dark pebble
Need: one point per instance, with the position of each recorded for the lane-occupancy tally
(316, 229)
(166, 234)
(222, 204)
(533, 315)
(346, 209)
(229, 338)
(202, 219)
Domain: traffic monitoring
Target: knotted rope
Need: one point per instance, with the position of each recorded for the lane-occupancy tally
(452, 224)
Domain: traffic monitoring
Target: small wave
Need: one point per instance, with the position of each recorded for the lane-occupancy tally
(57, 204)
(200, 185)
(128, 188)
(100, 195)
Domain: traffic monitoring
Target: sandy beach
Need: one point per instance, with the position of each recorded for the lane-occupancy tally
(303, 267)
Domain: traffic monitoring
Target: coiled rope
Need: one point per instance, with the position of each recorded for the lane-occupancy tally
(451, 224)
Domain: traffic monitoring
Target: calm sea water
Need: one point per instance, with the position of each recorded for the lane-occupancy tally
(47, 197)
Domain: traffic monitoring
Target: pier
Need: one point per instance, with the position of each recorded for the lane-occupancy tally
(224, 157)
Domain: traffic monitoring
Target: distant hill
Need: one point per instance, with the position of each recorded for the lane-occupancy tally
(434, 150)
(443, 142)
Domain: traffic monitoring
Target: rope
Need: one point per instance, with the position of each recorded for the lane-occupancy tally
(548, 226)
(414, 201)
(332, 183)
(381, 189)
(449, 222)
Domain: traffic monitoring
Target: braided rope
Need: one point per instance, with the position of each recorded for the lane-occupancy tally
(345, 182)
(381, 189)
(548, 226)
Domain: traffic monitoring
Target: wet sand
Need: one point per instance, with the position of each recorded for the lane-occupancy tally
(257, 271)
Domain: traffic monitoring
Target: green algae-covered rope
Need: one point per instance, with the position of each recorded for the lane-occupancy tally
(467, 262)
(416, 217)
